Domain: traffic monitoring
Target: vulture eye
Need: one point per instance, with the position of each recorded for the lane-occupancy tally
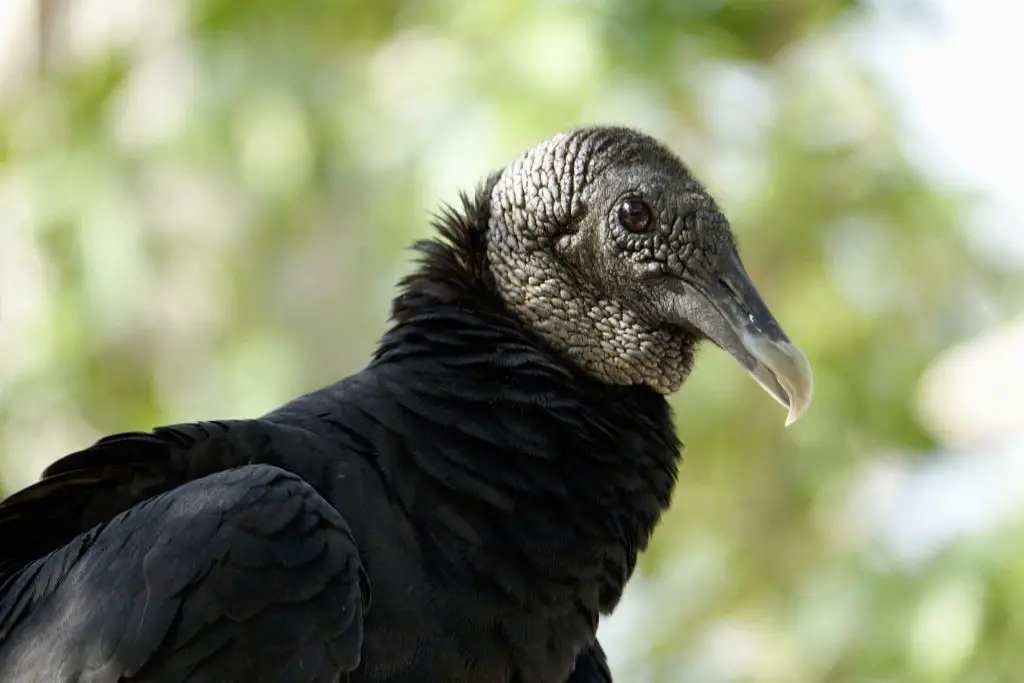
(635, 215)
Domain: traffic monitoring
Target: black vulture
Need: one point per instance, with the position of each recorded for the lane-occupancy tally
(462, 510)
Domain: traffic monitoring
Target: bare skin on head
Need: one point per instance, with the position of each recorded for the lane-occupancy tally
(603, 242)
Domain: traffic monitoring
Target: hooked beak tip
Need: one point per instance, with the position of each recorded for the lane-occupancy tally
(783, 370)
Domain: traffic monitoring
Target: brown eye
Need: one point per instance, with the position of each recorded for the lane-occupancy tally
(635, 215)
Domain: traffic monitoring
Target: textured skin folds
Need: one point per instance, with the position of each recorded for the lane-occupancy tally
(564, 264)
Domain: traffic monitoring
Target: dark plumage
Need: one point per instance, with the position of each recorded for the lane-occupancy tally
(463, 509)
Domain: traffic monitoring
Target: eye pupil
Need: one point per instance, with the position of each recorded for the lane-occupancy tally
(635, 215)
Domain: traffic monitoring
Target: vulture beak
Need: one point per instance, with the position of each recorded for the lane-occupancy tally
(729, 311)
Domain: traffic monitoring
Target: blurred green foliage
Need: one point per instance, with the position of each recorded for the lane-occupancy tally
(205, 209)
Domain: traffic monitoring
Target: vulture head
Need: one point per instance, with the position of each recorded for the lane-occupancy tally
(602, 242)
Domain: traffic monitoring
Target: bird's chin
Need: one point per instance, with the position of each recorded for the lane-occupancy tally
(673, 373)
(663, 386)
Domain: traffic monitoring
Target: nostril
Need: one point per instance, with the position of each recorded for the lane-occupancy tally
(736, 298)
(727, 287)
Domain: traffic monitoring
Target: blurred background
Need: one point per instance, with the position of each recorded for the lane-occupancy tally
(205, 204)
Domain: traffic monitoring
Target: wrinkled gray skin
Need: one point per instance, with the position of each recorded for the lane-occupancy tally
(566, 265)
(628, 307)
